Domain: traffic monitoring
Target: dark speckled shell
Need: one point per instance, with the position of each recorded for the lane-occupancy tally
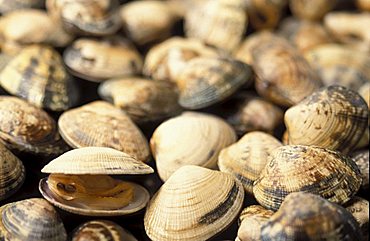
(361, 158)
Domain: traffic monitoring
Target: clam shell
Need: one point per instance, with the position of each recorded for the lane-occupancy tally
(334, 117)
(247, 158)
(31, 219)
(359, 208)
(24, 127)
(364, 91)
(189, 139)
(37, 75)
(361, 158)
(101, 124)
(199, 203)
(101, 230)
(305, 216)
(12, 173)
(205, 81)
(311, 10)
(11, 5)
(310, 169)
(97, 60)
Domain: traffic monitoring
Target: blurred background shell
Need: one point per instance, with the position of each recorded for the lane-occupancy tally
(363, 5)
(359, 208)
(12, 5)
(364, 91)
(312, 10)
(361, 158)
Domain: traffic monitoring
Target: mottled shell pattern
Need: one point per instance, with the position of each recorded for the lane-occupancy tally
(247, 158)
(359, 208)
(99, 123)
(189, 139)
(37, 74)
(98, 60)
(334, 117)
(12, 173)
(142, 99)
(295, 168)
(308, 217)
(198, 202)
(11, 5)
(31, 219)
(361, 158)
(312, 10)
(24, 127)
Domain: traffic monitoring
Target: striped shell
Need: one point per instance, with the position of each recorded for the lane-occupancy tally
(12, 173)
(333, 118)
(142, 99)
(247, 158)
(37, 75)
(24, 127)
(97, 60)
(361, 158)
(198, 202)
(308, 217)
(205, 81)
(189, 139)
(311, 10)
(32, 220)
(11, 5)
(101, 124)
(310, 169)
(359, 208)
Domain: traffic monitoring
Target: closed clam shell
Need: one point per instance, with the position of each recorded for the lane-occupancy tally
(166, 60)
(199, 202)
(220, 23)
(334, 117)
(364, 91)
(189, 139)
(308, 217)
(99, 123)
(247, 158)
(359, 208)
(363, 5)
(142, 99)
(311, 10)
(295, 168)
(361, 158)
(101, 230)
(97, 60)
(11, 5)
(205, 81)
(37, 74)
(24, 127)
(12, 173)
(97, 17)
(31, 219)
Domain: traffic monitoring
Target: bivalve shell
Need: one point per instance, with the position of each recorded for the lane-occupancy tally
(359, 208)
(312, 10)
(361, 158)
(364, 91)
(11, 5)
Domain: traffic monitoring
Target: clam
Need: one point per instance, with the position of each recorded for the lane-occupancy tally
(194, 204)
(334, 117)
(359, 208)
(364, 91)
(24, 127)
(142, 26)
(31, 219)
(37, 75)
(99, 123)
(251, 220)
(220, 23)
(247, 158)
(101, 230)
(361, 158)
(313, 10)
(97, 17)
(12, 173)
(363, 5)
(316, 170)
(205, 81)
(181, 7)
(142, 99)
(189, 139)
(166, 60)
(80, 183)
(308, 217)
(97, 60)
(11, 5)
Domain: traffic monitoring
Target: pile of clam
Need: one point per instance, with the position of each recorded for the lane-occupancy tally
(191, 120)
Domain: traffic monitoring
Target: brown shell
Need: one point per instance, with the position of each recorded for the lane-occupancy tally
(218, 23)
(359, 208)
(97, 60)
(24, 127)
(312, 10)
(11, 5)
(305, 216)
(334, 117)
(310, 169)
(181, 7)
(247, 158)
(363, 5)
(205, 81)
(102, 124)
(37, 74)
(361, 158)
(166, 60)
(142, 99)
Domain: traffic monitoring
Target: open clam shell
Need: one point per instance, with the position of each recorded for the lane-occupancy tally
(310, 169)
(99, 123)
(247, 158)
(361, 158)
(199, 202)
(359, 208)
(334, 117)
(313, 10)
(31, 219)
(189, 139)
